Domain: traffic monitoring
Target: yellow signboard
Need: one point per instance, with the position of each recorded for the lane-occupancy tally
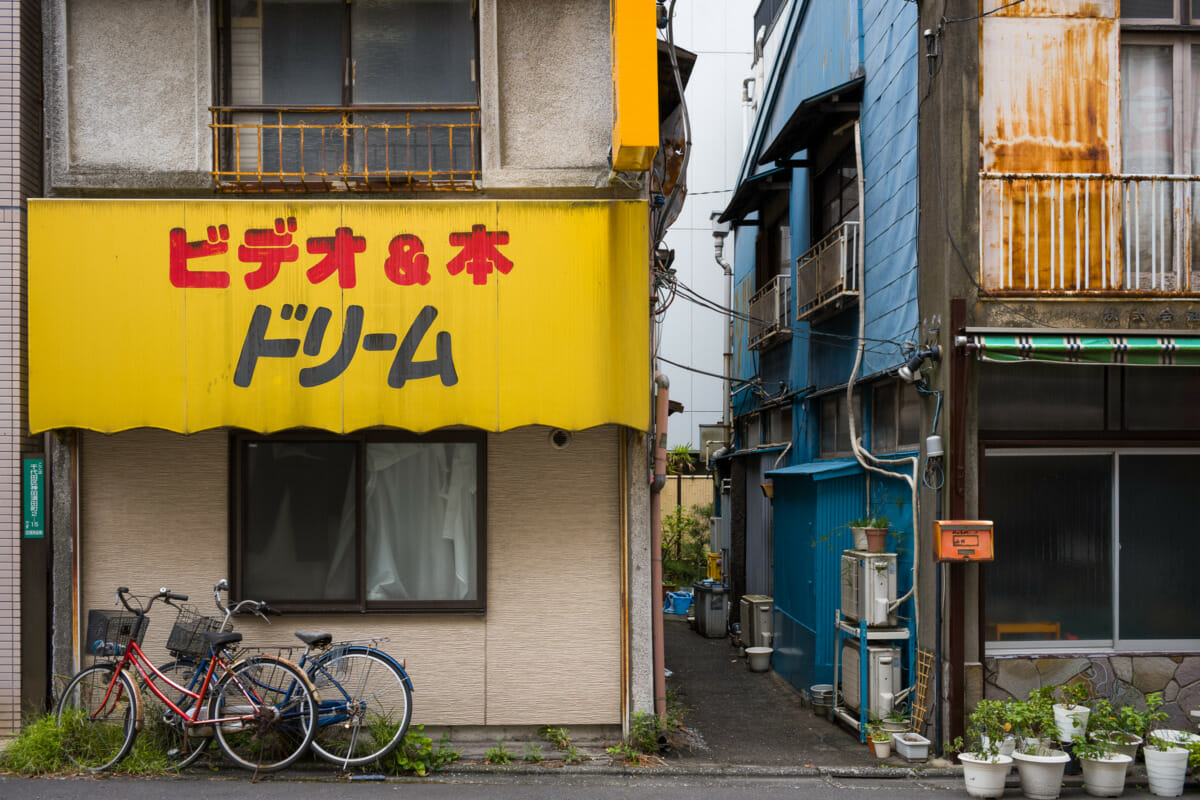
(188, 315)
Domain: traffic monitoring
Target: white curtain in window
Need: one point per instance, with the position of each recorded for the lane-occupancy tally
(420, 521)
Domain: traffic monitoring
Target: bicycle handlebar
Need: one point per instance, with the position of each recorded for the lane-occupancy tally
(255, 607)
(164, 594)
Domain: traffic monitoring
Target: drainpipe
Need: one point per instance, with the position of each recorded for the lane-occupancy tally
(720, 231)
(662, 408)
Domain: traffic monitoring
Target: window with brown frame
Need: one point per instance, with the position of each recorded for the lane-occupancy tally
(373, 522)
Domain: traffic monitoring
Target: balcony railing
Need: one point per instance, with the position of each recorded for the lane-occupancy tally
(351, 148)
(827, 275)
(769, 313)
(1089, 234)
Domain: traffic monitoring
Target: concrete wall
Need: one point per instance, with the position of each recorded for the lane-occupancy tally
(128, 93)
(548, 651)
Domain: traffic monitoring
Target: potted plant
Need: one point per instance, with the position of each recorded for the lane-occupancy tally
(1103, 768)
(881, 741)
(1071, 711)
(896, 721)
(1033, 719)
(984, 767)
(1122, 728)
(912, 746)
(1166, 764)
(870, 533)
(996, 716)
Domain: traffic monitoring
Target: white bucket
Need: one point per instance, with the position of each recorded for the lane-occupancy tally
(760, 658)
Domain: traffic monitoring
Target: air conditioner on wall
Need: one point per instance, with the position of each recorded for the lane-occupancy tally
(883, 678)
(869, 587)
(756, 613)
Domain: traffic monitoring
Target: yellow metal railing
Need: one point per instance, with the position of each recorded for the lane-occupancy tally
(345, 148)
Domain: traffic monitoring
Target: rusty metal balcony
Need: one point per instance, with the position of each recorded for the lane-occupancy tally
(1083, 234)
(346, 148)
(769, 323)
(827, 274)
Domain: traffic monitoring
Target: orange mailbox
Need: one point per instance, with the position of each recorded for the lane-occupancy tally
(962, 540)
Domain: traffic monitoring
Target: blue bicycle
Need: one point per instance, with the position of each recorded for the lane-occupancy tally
(364, 695)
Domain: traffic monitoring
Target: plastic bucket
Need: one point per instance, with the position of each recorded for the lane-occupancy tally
(678, 602)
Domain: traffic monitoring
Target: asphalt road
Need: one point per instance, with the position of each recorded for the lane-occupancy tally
(501, 787)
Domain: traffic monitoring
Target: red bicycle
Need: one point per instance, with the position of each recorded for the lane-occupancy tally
(261, 710)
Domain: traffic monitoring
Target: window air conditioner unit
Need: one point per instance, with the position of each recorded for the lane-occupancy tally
(883, 679)
(869, 587)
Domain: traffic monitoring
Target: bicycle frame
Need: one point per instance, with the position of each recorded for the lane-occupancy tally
(150, 675)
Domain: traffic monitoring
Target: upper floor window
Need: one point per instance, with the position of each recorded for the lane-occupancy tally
(349, 94)
(1160, 77)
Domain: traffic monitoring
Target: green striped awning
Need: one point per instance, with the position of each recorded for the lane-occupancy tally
(1084, 348)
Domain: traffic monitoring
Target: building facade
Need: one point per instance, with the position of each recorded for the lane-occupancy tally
(824, 230)
(1057, 252)
(349, 302)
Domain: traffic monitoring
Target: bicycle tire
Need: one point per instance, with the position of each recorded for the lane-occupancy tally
(182, 743)
(97, 726)
(276, 709)
(365, 705)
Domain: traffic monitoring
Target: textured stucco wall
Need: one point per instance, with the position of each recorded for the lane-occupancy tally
(547, 92)
(128, 93)
(548, 650)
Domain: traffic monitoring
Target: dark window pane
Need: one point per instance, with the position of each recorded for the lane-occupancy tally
(1159, 546)
(302, 53)
(910, 416)
(1035, 397)
(1145, 9)
(1162, 399)
(413, 51)
(299, 542)
(1053, 567)
(828, 424)
(883, 416)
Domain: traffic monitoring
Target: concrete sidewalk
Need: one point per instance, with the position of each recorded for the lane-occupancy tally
(752, 719)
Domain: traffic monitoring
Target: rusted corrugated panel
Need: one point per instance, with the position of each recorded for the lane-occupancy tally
(1051, 8)
(1049, 96)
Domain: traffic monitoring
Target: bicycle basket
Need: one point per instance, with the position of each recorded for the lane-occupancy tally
(109, 632)
(187, 635)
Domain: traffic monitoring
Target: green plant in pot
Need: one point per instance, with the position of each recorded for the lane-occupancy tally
(870, 533)
(1033, 721)
(896, 720)
(1166, 763)
(984, 766)
(881, 740)
(1072, 709)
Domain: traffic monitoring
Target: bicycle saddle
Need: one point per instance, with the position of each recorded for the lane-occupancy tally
(219, 640)
(314, 639)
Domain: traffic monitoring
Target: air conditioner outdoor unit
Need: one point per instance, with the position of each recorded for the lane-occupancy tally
(757, 611)
(869, 587)
(883, 678)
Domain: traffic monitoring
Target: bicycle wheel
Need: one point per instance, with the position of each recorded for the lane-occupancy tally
(97, 717)
(365, 705)
(182, 743)
(273, 710)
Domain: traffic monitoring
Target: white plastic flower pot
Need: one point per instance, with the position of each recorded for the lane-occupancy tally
(1071, 721)
(882, 749)
(912, 746)
(1165, 770)
(1125, 744)
(760, 658)
(984, 777)
(1105, 777)
(1041, 776)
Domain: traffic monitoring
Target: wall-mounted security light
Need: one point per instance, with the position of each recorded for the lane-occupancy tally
(911, 371)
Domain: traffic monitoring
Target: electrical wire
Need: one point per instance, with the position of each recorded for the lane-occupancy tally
(984, 14)
(699, 371)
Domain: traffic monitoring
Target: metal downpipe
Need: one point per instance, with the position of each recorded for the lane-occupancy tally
(661, 410)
